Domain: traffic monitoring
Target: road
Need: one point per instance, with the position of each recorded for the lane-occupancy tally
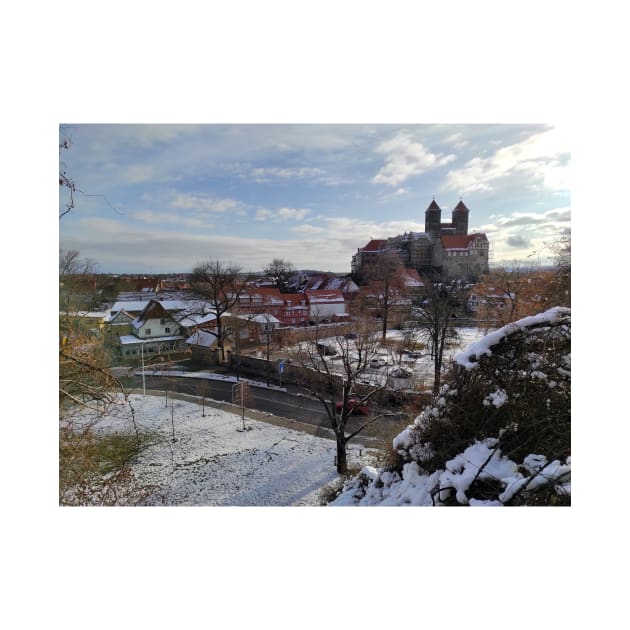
(279, 403)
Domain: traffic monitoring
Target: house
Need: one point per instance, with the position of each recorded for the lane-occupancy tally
(290, 309)
(325, 304)
(115, 324)
(153, 332)
(204, 347)
(367, 256)
(413, 285)
(190, 322)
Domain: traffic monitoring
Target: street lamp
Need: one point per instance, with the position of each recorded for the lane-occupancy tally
(144, 388)
(268, 335)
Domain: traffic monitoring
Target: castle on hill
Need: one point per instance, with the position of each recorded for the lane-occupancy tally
(443, 251)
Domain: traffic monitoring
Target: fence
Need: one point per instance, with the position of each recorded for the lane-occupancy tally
(304, 377)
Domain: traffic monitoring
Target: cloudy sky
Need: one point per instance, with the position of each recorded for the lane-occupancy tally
(161, 198)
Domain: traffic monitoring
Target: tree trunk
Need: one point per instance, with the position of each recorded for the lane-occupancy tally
(342, 458)
(436, 378)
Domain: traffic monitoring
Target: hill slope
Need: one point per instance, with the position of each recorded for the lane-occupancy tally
(499, 433)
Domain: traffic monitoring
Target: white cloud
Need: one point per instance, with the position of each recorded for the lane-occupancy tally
(191, 201)
(457, 140)
(406, 158)
(282, 214)
(525, 235)
(151, 216)
(263, 215)
(540, 159)
(138, 173)
(307, 229)
(266, 174)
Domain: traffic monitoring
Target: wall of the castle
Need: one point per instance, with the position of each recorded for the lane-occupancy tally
(464, 263)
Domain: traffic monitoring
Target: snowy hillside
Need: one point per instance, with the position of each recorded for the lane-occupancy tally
(213, 461)
(499, 434)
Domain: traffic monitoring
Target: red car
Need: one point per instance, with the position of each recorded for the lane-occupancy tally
(353, 406)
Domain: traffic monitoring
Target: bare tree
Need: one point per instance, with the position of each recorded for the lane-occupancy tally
(66, 182)
(509, 293)
(384, 278)
(435, 322)
(280, 271)
(221, 285)
(339, 364)
(88, 473)
(86, 382)
(67, 186)
(76, 281)
(560, 290)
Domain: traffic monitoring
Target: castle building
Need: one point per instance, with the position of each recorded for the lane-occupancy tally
(443, 251)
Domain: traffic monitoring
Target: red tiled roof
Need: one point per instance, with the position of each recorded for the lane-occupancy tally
(434, 206)
(375, 245)
(413, 274)
(462, 241)
(332, 295)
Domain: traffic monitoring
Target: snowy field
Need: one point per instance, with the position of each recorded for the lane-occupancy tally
(213, 462)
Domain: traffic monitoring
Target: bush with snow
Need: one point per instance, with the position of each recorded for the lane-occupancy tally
(499, 433)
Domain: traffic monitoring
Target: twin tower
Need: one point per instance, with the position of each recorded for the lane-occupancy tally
(434, 227)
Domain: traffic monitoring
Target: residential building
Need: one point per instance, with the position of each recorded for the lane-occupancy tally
(326, 305)
(153, 332)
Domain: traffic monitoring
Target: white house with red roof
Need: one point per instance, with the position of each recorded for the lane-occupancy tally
(325, 304)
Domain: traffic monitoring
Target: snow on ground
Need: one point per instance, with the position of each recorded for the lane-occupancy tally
(214, 462)
(422, 367)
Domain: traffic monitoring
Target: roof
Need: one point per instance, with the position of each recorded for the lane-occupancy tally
(197, 320)
(375, 245)
(153, 310)
(462, 241)
(264, 318)
(411, 278)
(131, 339)
(202, 338)
(264, 295)
(324, 296)
(433, 206)
(169, 305)
(461, 207)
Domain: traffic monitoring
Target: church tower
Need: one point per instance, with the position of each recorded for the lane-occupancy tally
(460, 218)
(432, 219)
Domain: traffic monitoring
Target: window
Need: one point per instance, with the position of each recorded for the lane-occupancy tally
(162, 322)
(147, 332)
(167, 330)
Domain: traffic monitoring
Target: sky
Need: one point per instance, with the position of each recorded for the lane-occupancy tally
(160, 198)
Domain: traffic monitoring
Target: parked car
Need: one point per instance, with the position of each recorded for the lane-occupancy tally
(378, 362)
(325, 349)
(354, 406)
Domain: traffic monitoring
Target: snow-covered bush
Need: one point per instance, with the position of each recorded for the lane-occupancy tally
(498, 433)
